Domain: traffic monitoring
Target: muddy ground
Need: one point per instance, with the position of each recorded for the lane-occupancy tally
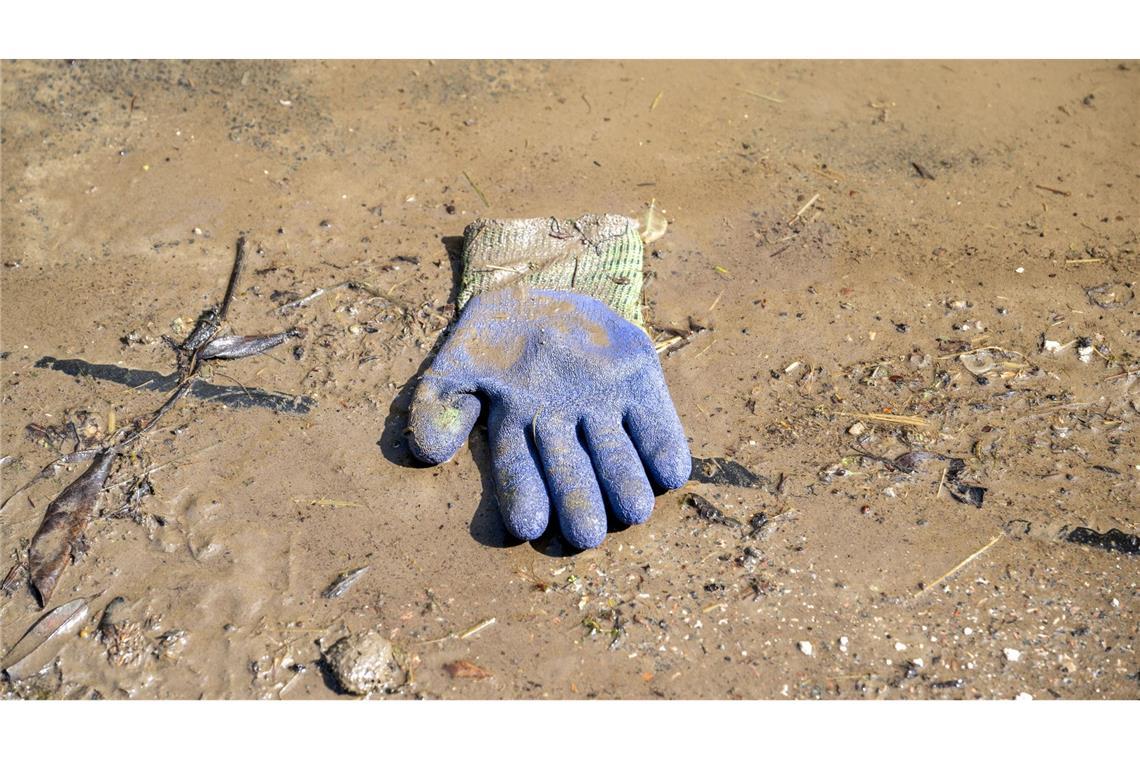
(843, 238)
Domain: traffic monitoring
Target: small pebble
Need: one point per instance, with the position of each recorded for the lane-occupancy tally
(1012, 655)
(806, 648)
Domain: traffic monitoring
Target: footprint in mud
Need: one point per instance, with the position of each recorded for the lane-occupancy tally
(191, 525)
(201, 535)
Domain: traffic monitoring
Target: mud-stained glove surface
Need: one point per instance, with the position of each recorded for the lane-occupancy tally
(578, 406)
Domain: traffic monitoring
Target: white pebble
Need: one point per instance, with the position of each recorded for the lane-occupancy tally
(1023, 697)
(843, 641)
(806, 648)
(900, 647)
(1012, 655)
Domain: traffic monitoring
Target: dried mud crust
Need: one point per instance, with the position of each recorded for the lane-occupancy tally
(872, 271)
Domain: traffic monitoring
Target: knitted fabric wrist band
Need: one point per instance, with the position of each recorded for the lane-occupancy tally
(597, 255)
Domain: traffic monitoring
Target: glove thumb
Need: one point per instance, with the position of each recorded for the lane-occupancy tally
(441, 419)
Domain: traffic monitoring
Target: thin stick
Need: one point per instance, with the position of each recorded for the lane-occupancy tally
(235, 275)
(1065, 193)
(301, 301)
(761, 95)
(959, 566)
(706, 348)
(475, 187)
(941, 482)
(803, 210)
(1126, 373)
(464, 634)
(896, 418)
(1083, 261)
(478, 627)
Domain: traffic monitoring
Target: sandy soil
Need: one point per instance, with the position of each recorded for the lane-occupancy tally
(840, 235)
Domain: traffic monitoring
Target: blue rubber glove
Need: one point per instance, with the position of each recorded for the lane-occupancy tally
(578, 408)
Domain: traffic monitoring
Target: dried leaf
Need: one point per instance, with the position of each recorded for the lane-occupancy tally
(652, 223)
(466, 669)
(241, 346)
(64, 522)
(344, 582)
(64, 619)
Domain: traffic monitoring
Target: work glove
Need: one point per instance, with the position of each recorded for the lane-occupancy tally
(548, 337)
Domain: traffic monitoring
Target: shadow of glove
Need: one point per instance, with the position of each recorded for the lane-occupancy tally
(578, 408)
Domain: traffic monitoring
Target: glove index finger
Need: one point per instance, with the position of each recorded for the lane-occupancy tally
(440, 420)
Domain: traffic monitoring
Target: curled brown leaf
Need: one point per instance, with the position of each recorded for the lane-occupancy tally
(64, 522)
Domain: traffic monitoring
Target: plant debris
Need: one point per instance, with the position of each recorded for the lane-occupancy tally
(909, 462)
(466, 669)
(1112, 540)
(53, 626)
(706, 511)
(344, 582)
(64, 522)
(922, 171)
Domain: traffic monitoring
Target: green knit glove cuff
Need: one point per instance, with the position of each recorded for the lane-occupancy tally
(597, 255)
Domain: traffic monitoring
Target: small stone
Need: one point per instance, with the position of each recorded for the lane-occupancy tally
(1024, 697)
(857, 429)
(843, 641)
(806, 648)
(1012, 655)
(900, 647)
(362, 663)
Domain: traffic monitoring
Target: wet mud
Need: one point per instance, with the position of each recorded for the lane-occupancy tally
(862, 261)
